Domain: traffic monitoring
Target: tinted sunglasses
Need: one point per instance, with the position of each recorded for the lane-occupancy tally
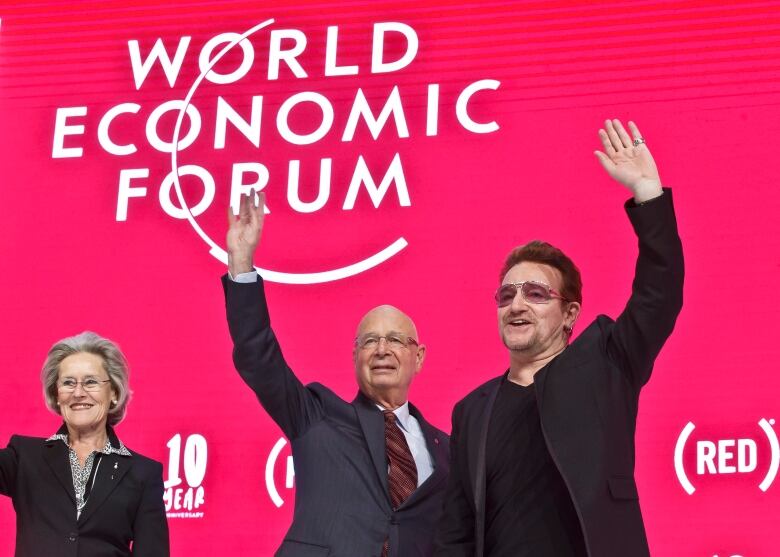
(532, 292)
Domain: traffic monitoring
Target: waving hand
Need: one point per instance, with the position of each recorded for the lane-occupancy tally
(628, 160)
(244, 232)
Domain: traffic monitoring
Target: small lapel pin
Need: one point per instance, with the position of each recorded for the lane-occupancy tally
(435, 440)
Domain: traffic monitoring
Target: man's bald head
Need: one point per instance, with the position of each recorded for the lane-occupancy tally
(385, 367)
(387, 314)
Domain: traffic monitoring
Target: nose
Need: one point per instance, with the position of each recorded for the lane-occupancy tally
(518, 302)
(382, 347)
(79, 387)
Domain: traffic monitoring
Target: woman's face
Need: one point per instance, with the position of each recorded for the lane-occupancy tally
(84, 393)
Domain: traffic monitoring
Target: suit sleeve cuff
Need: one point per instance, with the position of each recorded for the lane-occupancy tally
(244, 278)
(665, 193)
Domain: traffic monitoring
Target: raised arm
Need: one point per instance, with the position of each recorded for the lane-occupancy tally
(656, 295)
(256, 352)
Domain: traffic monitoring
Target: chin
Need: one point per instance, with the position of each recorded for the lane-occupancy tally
(384, 383)
(85, 422)
(517, 344)
(523, 346)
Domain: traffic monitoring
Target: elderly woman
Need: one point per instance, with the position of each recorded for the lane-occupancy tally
(81, 492)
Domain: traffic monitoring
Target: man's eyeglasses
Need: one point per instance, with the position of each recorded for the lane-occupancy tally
(396, 341)
(90, 385)
(533, 292)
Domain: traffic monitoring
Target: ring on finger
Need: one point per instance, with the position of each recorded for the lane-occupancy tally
(639, 141)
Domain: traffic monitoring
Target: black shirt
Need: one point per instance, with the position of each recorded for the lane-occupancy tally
(529, 512)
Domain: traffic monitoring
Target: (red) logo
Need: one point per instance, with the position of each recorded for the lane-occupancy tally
(728, 456)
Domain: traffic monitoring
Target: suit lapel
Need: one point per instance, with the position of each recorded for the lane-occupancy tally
(478, 454)
(373, 425)
(477, 459)
(111, 470)
(55, 453)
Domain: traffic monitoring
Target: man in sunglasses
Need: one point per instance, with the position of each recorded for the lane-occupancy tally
(370, 474)
(542, 457)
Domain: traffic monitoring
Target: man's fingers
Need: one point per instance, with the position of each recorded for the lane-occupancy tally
(258, 208)
(233, 217)
(617, 135)
(617, 144)
(635, 133)
(245, 207)
(606, 142)
(625, 139)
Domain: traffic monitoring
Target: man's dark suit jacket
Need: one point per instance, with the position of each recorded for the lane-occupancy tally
(587, 399)
(126, 503)
(342, 502)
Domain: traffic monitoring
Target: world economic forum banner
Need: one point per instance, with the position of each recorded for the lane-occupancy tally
(404, 148)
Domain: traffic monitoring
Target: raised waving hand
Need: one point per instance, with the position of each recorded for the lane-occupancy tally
(628, 160)
(244, 232)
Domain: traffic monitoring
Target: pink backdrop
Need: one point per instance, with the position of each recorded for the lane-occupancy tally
(701, 79)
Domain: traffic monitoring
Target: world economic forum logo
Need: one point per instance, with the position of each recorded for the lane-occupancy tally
(394, 46)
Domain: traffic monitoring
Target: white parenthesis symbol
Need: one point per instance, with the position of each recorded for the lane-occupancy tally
(678, 458)
(269, 472)
(219, 253)
(770, 434)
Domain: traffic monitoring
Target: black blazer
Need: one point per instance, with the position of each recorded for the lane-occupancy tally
(125, 505)
(342, 503)
(587, 398)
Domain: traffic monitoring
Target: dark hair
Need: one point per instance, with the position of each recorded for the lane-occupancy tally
(547, 254)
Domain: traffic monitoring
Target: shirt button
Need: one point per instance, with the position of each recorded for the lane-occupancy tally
(72, 536)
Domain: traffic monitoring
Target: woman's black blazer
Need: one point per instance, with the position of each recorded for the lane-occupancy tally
(124, 514)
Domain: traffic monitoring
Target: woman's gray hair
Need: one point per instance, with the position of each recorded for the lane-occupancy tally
(114, 362)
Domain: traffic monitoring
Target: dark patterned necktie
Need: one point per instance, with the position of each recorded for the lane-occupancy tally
(402, 473)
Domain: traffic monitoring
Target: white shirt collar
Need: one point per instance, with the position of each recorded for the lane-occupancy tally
(401, 414)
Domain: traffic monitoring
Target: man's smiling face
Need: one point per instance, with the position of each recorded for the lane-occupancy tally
(535, 329)
(385, 365)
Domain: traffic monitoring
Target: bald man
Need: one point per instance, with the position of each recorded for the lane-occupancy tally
(370, 474)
